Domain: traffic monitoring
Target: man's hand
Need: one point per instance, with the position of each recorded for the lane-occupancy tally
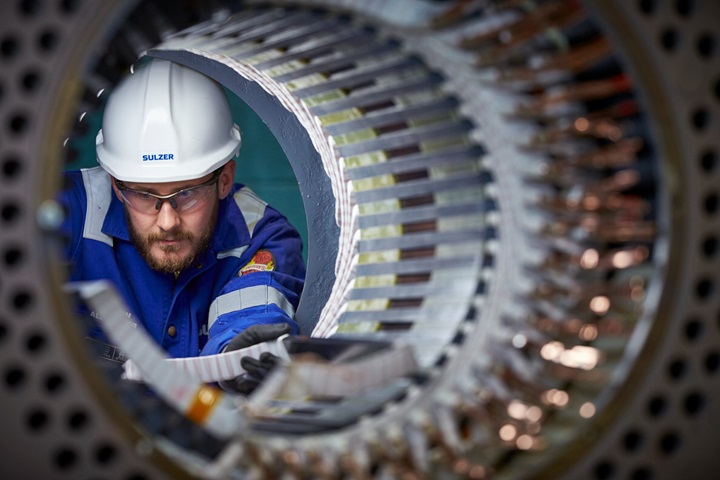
(257, 334)
(257, 369)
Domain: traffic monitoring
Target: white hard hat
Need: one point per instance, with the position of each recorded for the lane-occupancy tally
(166, 123)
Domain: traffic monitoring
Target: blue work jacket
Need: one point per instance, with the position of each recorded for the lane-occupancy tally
(230, 287)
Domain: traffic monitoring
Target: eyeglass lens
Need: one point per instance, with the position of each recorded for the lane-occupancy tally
(181, 201)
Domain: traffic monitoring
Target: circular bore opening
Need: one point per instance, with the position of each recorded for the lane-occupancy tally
(413, 176)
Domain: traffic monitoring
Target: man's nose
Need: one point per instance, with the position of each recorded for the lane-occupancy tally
(168, 218)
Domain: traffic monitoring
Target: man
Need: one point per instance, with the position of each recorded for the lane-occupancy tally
(198, 258)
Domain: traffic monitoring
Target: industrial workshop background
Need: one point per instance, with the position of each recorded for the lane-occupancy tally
(524, 193)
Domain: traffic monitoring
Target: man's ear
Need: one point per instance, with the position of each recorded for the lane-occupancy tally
(226, 180)
(115, 189)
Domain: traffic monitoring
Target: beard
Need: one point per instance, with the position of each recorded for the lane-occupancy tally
(171, 261)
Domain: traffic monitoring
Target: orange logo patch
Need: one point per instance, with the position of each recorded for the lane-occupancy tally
(262, 261)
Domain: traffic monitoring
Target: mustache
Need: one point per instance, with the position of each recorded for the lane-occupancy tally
(166, 236)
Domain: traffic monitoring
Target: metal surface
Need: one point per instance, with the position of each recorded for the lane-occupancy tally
(525, 192)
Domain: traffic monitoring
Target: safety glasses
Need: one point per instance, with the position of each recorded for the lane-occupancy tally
(182, 200)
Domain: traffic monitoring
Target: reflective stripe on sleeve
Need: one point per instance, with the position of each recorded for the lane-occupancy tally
(246, 298)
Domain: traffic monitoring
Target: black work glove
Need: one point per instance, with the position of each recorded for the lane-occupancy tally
(256, 369)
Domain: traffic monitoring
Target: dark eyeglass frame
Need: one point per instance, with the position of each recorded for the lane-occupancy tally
(165, 198)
